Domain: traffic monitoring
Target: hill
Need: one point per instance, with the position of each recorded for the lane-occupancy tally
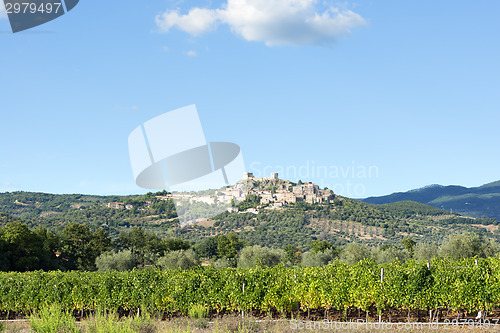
(474, 202)
(275, 213)
(54, 211)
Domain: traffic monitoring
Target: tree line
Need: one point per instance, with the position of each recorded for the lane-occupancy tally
(78, 247)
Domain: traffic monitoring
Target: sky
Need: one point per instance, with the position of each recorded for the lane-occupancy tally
(366, 98)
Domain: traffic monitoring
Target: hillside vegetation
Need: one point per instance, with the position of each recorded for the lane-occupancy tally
(340, 221)
(482, 201)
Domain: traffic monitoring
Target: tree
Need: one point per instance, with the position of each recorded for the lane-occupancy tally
(120, 261)
(256, 255)
(78, 246)
(225, 262)
(321, 246)
(322, 258)
(251, 201)
(425, 251)
(207, 248)
(388, 253)
(353, 253)
(145, 246)
(293, 254)
(174, 244)
(468, 245)
(101, 241)
(229, 245)
(4, 260)
(179, 259)
(19, 248)
(48, 244)
(409, 244)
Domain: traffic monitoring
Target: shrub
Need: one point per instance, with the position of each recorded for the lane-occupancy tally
(197, 311)
(109, 323)
(252, 256)
(120, 261)
(318, 259)
(354, 253)
(52, 319)
(179, 259)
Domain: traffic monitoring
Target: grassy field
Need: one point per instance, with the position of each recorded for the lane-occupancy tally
(50, 322)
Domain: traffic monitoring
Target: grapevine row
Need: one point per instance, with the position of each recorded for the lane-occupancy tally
(468, 284)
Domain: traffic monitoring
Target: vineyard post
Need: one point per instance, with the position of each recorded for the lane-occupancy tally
(381, 282)
(298, 304)
(242, 311)
(430, 311)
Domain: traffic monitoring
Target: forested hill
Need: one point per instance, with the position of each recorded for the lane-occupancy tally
(339, 221)
(474, 201)
(54, 211)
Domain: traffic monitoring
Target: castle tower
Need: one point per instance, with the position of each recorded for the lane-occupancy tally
(247, 175)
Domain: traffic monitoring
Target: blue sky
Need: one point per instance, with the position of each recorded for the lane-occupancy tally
(405, 93)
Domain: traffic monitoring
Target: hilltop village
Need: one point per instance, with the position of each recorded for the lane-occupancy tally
(275, 193)
(271, 193)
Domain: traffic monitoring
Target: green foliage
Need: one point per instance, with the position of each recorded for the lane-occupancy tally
(273, 229)
(256, 255)
(387, 254)
(320, 258)
(425, 251)
(447, 283)
(225, 263)
(297, 225)
(102, 322)
(409, 244)
(25, 250)
(293, 254)
(183, 259)
(197, 311)
(251, 201)
(147, 246)
(354, 253)
(120, 261)
(54, 211)
(411, 208)
(475, 202)
(18, 247)
(52, 319)
(321, 246)
(468, 245)
(82, 247)
(78, 247)
(207, 248)
(228, 245)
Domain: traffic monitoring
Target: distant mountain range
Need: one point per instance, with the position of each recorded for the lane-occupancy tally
(474, 201)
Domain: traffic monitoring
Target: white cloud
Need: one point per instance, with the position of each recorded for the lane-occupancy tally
(191, 53)
(274, 22)
(197, 21)
(3, 12)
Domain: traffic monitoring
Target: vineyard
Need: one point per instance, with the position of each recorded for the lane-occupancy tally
(466, 285)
